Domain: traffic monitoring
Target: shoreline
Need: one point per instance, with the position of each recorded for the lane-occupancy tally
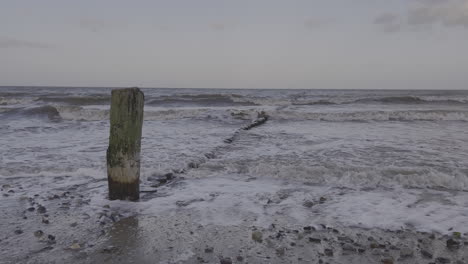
(62, 225)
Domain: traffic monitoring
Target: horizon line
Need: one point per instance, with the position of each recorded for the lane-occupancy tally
(200, 88)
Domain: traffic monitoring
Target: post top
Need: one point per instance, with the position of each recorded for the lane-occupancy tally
(127, 90)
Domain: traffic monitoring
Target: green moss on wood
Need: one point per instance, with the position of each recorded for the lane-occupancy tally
(126, 121)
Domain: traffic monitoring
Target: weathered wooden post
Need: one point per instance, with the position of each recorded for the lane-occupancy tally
(123, 154)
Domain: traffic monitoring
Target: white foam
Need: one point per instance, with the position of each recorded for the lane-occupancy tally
(224, 201)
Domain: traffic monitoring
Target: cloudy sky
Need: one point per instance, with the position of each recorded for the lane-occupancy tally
(319, 44)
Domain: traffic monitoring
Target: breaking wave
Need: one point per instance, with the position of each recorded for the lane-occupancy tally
(77, 100)
(409, 115)
(91, 114)
(42, 111)
(407, 100)
(6, 101)
(208, 100)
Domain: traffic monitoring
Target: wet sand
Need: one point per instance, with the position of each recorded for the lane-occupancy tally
(62, 225)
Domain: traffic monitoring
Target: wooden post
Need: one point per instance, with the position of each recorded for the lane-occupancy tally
(123, 154)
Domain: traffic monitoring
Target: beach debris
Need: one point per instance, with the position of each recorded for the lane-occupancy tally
(257, 236)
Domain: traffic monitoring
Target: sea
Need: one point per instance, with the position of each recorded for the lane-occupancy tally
(388, 159)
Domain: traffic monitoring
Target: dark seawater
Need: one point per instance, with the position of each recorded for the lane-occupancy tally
(410, 138)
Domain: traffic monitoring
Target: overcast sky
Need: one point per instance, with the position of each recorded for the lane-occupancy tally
(319, 44)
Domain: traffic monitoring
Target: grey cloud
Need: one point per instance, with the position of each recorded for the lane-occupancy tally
(390, 28)
(386, 18)
(388, 22)
(447, 13)
(94, 25)
(422, 14)
(16, 43)
(218, 26)
(313, 23)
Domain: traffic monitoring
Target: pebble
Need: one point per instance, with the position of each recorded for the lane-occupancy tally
(209, 250)
(18, 231)
(348, 247)
(328, 252)
(387, 261)
(442, 260)
(406, 252)
(110, 249)
(240, 258)
(345, 239)
(375, 245)
(257, 236)
(41, 209)
(280, 252)
(426, 254)
(38, 233)
(225, 261)
(315, 240)
(452, 244)
(75, 246)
